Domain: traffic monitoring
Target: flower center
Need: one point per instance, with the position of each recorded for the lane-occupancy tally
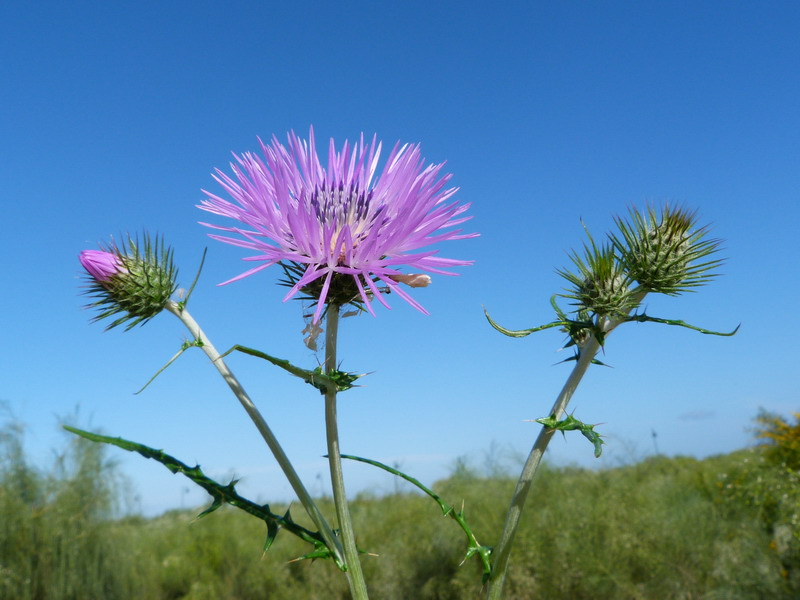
(343, 206)
(339, 205)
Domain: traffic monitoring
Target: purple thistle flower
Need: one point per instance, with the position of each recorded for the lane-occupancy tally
(101, 265)
(343, 228)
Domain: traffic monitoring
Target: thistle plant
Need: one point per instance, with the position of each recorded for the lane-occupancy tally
(346, 234)
(655, 252)
(138, 284)
(343, 235)
(340, 235)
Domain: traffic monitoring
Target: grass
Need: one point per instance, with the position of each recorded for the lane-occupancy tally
(672, 528)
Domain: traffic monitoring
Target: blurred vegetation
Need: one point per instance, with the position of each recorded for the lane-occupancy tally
(781, 438)
(727, 527)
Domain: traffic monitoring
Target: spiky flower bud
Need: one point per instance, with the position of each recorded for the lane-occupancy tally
(663, 252)
(600, 286)
(135, 279)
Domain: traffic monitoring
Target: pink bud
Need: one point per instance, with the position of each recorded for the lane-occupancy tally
(100, 264)
(414, 280)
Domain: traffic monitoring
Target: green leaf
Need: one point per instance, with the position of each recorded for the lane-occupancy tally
(562, 316)
(188, 295)
(221, 494)
(577, 356)
(642, 318)
(272, 532)
(338, 380)
(447, 510)
(597, 441)
(521, 332)
(184, 347)
(570, 423)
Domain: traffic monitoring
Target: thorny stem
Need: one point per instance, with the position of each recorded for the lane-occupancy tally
(355, 575)
(294, 479)
(502, 551)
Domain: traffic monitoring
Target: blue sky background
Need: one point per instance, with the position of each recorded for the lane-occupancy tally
(113, 115)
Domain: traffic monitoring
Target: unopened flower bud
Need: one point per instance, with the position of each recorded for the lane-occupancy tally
(413, 280)
(605, 295)
(101, 265)
(135, 280)
(599, 286)
(662, 252)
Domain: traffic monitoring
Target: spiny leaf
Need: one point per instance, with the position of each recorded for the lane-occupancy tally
(221, 494)
(562, 316)
(597, 441)
(184, 347)
(272, 533)
(321, 553)
(214, 506)
(577, 356)
(570, 423)
(642, 318)
(188, 295)
(447, 510)
(338, 380)
(575, 328)
(522, 332)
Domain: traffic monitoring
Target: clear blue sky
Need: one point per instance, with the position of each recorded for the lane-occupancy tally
(113, 115)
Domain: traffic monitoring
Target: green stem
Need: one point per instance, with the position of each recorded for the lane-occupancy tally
(236, 387)
(355, 575)
(502, 551)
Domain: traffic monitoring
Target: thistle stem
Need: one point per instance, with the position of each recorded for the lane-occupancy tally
(355, 575)
(258, 420)
(502, 551)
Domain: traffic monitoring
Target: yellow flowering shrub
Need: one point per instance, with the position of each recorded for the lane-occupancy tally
(781, 438)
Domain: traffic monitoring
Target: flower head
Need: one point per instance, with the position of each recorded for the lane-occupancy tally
(340, 232)
(666, 252)
(135, 279)
(599, 286)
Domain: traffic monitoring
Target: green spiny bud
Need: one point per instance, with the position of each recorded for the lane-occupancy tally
(663, 252)
(135, 279)
(599, 286)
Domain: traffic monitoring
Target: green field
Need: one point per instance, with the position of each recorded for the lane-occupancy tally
(727, 527)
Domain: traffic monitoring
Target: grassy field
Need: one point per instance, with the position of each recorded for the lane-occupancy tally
(726, 527)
